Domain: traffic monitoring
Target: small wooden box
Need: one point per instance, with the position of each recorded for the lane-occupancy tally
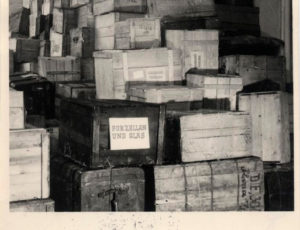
(43, 205)
(229, 185)
(76, 188)
(76, 90)
(129, 6)
(105, 28)
(93, 143)
(85, 17)
(200, 48)
(207, 135)
(64, 20)
(115, 69)
(82, 42)
(29, 164)
(270, 124)
(217, 88)
(163, 94)
(26, 50)
(255, 68)
(60, 44)
(16, 109)
(59, 68)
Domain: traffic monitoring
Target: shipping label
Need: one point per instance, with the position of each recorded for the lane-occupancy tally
(156, 74)
(129, 133)
(145, 27)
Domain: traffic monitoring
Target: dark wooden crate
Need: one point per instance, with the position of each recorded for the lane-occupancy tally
(84, 132)
(75, 188)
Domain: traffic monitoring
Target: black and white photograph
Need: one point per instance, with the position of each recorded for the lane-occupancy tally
(150, 106)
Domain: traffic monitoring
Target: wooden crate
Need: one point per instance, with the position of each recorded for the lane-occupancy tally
(255, 68)
(43, 205)
(59, 44)
(163, 94)
(115, 69)
(279, 187)
(19, 22)
(47, 7)
(59, 68)
(62, 4)
(75, 188)
(16, 109)
(270, 124)
(133, 33)
(105, 26)
(229, 185)
(82, 42)
(97, 140)
(216, 89)
(85, 17)
(29, 164)
(129, 6)
(26, 50)
(45, 48)
(78, 3)
(178, 7)
(87, 69)
(76, 90)
(38, 95)
(206, 135)
(200, 48)
(64, 20)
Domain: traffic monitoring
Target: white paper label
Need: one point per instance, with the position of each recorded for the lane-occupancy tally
(156, 74)
(138, 75)
(129, 133)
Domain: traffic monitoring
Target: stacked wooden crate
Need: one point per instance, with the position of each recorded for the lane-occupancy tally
(169, 129)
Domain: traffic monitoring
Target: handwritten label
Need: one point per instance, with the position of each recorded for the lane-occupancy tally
(144, 28)
(156, 74)
(129, 133)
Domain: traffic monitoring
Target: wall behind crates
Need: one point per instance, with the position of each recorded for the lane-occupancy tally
(276, 21)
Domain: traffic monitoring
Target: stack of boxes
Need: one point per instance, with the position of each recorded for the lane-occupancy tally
(171, 114)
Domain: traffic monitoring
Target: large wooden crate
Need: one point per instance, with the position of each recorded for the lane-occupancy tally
(82, 42)
(75, 188)
(270, 124)
(59, 68)
(76, 90)
(19, 22)
(206, 135)
(85, 17)
(133, 33)
(255, 68)
(59, 44)
(200, 48)
(16, 109)
(105, 28)
(64, 20)
(129, 6)
(178, 7)
(43, 205)
(163, 94)
(229, 185)
(115, 69)
(29, 164)
(99, 133)
(26, 50)
(218, 89)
